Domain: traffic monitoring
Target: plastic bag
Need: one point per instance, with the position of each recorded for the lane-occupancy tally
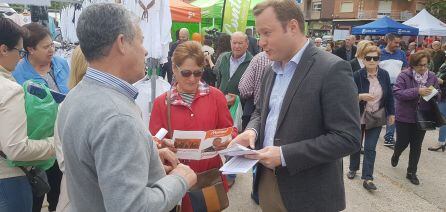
(237, 113)
(41, 116)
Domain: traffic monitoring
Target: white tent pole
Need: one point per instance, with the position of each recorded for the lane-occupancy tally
(417, 43)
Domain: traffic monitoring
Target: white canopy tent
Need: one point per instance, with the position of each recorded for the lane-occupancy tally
(39, 2)
(427, 24)
(4, 8)
(28, 2)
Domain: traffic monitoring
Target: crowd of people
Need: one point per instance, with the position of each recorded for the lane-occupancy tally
(301, 124)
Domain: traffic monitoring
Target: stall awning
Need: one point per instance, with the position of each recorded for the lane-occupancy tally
(28, 2)
(383, 26)
(184, 12)
(427, 24)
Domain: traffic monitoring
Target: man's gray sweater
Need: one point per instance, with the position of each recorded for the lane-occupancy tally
(111, 163)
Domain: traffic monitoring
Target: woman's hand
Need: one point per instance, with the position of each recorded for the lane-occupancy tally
(440, 81)
(222, 146)
(230, 98)
(424, 91)
(208, 58)
(366, 97)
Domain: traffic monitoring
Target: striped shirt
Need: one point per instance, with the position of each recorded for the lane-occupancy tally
(188, 98)
(122, 86)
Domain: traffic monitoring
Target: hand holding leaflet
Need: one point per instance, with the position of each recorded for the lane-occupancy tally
(434, 93)
(238, 164)
(237, 150)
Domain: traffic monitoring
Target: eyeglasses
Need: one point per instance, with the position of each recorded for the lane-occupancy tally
(422, 65)
(369, 58)
(188, 73)
(22, 52)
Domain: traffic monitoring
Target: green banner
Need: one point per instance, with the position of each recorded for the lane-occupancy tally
(235, 16)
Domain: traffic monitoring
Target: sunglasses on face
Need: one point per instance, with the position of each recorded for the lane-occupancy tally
(370, 58)
(188, 73)
(22, 52)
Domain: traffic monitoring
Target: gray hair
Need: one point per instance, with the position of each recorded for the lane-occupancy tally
(238, 33)
(98, 27)
(185, 30)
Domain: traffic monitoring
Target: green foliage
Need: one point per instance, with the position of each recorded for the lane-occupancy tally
(437, 8)
(17, 7)
(58, 5)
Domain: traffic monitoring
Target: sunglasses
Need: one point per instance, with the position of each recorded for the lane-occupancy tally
(22, 52)
(188, 73)
(422, 65)
(369, 58)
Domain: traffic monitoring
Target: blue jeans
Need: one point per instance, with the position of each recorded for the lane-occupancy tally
(368, 164)
(390, 132)
(442, 132)
(390, 129)
(15, 194)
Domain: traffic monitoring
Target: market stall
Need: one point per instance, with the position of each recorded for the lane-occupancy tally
(427, 24)
(383, 26)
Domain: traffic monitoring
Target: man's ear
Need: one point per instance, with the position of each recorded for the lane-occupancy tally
(293, 25)
(3, 50)
(120, 44)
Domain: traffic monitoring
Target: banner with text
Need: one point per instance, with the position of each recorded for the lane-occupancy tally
(235, 15)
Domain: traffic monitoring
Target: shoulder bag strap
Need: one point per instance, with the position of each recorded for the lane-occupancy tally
(169, 123)
(21, 167)
(418, 103)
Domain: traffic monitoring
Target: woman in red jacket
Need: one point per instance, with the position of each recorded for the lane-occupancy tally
(195, 106)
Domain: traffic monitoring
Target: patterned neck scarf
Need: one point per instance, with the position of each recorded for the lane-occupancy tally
(421, 79)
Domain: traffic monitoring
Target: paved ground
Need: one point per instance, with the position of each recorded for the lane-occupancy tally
(394, 193)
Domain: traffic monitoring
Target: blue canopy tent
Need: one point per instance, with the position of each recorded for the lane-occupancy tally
(383, 26)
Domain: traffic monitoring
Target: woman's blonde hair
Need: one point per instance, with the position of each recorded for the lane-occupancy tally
(361, 46)
(371, 48)
(78, 67)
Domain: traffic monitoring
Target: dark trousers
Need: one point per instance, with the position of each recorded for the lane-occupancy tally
(248, 109)
(409, 134)
(54, 177)
(370, 138)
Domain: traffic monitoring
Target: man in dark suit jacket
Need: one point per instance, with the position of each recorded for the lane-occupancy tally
(253, 47)
(183, 36)
(306, 119)
(348, 50)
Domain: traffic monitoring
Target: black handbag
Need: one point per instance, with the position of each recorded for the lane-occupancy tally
(375, 119)
(37, 179)
(429, 119)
